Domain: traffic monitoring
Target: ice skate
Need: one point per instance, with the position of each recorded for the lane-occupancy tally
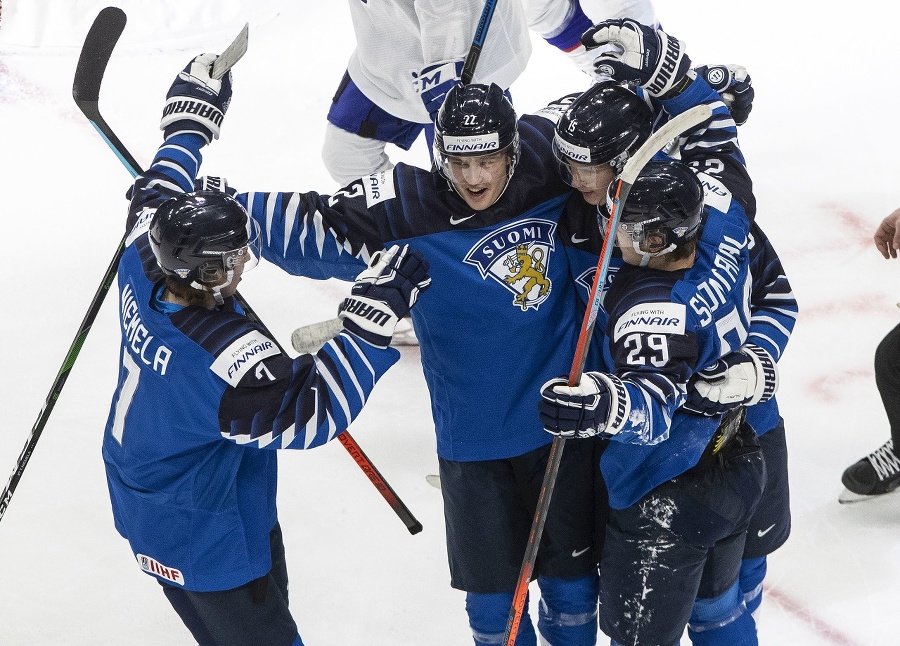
(876, 474)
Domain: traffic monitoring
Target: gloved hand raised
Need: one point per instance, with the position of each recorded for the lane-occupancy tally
(384, 293)
(642, 56)
(575, 411)
(733, 83)
(745, 377)
(196, 102)
(434, 81)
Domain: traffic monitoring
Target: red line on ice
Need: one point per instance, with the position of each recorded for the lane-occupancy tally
(804, 614)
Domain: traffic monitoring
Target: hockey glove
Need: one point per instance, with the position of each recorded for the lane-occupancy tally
(196, 102)
(575, 411)
(642, 56)
(746, 377)
(433, 82)
(384, 293)
(733, 83)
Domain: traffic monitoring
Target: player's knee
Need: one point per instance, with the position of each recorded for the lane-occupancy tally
(709, 614)
(348, 156)
(488, 616)
(753, 571)
(567, 612)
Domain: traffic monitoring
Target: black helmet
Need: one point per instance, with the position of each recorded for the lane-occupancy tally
(201, 237)
(664, 208)
(475, 119)
(605, 125)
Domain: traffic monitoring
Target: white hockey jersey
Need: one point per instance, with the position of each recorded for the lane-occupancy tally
(396, 38)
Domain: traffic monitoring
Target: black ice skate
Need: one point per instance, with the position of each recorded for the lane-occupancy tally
(876, 474)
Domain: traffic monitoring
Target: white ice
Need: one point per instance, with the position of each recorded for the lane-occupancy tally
(820, 145)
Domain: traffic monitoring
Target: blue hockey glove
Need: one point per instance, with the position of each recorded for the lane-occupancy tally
(745, 377)
(196, 102)
(433, 82)
(384, 293)
(734, 85)
(575, 411)
(641, 56)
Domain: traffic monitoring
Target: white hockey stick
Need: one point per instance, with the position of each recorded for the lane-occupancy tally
(310, 338)
(232, 54)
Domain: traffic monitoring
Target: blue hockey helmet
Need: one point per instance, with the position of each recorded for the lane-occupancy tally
(663, 210)
(202, 238)
(475, 120)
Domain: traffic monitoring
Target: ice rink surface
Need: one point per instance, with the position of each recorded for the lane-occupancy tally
(820, 145)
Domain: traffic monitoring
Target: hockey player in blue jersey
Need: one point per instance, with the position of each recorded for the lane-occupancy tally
(682, 486)
(595, 135)
(205, 396)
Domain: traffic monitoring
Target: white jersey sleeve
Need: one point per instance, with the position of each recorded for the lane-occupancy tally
(395, 39)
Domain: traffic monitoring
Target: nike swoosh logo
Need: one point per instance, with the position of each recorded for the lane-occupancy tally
(576, 239)
(454, 220)
(577, 553)
(763, 532)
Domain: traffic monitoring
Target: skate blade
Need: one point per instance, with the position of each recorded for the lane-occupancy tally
(847, 497)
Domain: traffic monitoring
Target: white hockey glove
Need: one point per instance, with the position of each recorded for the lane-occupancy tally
(196, 102)
(434, 81)
(578, 411)
(735, 87)
(384, 293)
(642, 56)
(745, 377)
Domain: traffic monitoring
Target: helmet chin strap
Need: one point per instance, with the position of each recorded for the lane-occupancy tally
(216, 290)
(646, 256)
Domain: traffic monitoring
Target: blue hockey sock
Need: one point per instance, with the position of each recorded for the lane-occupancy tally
(567, 612)
(488, 616)
(753, 571)
(722, 621)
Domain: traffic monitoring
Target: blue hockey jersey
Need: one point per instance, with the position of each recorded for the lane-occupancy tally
(500, 316)
(203, 397)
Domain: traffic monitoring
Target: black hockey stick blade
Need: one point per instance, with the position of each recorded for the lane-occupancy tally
(98, 47)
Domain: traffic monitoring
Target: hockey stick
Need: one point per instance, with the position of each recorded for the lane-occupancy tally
(624, 182)
(106, 29)
(487, 14)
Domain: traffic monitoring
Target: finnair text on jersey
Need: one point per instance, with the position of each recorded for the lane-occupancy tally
(250, 353)
(138, 339)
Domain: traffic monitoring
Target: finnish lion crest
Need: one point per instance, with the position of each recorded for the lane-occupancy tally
(517, 257)
(528, 266)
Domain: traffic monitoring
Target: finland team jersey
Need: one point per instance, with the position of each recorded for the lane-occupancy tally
(500, 316)
(202, 398)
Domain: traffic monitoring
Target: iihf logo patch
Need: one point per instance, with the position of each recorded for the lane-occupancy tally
(152, 566)
(516, 256)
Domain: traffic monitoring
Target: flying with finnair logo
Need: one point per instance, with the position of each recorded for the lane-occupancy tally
(486, 143)
(241, 356)
(517, 257)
